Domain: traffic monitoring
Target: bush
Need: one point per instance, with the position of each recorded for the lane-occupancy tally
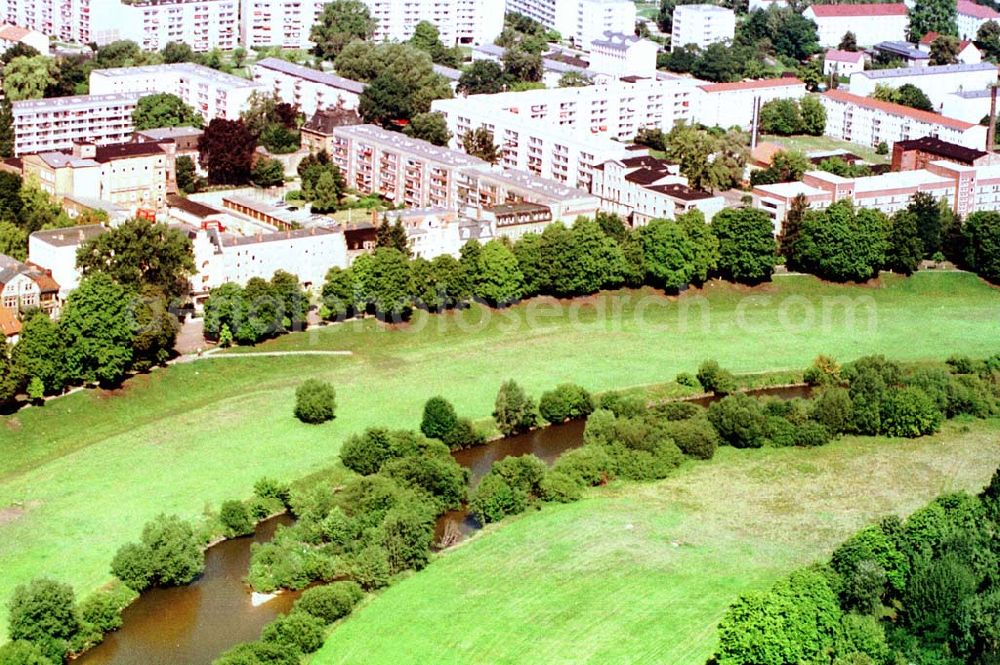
(824, 371)
(494, 499)
(174, 551)
(740, 421)
(330, 602)
(810, 434)
(370, 567)
(513, 411)
(695, 437)
(832, 408)
(565, 402)
(714, 379)
(780, 432)
(131, 564)
(268, 488)
(961, 364)
(315, 402)
(587, 466)
(862, 637)
(442, 478)
(22, 652)
(524, 472)
(464, 435)
(103, 609)
(258, 653)
(439, 418)
(560, 487)
(296, 631)
(909, 412)
(676, 410)
(235, 518)
(365, 453)
(623, 406)
(41, 611)
(687, 379)
(407, 533)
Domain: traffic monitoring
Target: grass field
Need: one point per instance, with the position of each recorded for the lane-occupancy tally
(642, 573)
(808, 143)
(81, 475)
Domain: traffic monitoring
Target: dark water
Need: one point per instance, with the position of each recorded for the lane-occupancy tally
(195, 623)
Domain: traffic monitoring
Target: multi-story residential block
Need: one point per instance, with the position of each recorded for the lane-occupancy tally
(869, 122)
(10, 35)
(201, 24)
(55, 251)
(211, 93)
(458, 21)
(285, 23)
(498, 188)
(644, 188)
(971, 16)
(580, 20)
(129, 175)
(870, 23)
(308, 89)
(729, 104)
(843, 63)
(621, 54)
(935, 81)
(42, 125)
(702, 25)
(966, 189)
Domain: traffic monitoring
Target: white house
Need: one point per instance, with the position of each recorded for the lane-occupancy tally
(13, 34)
(55, 251)
(701, 25)
(968, 54)
(870, 23)
(972, 16)
(843, 63)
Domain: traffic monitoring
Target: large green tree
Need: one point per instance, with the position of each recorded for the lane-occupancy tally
(982, 234)
(340, 23)
(498, 279)
(431, 127)
(164, 110)
(98, 326)
(226, 151)
(427, 38)
(747, 249)
(479, 143)
(842, 243)
(40, 353)
(482, 77)
(137, 253)
(938, 16)
(385, 282)
(28, 77)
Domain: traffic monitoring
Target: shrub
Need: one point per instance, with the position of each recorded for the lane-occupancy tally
(464, 435)
(365, 453)
(513, 411)
(969, 394)
(810, 434)
(622, 406)
(687, 379)
(695, 437)
(296, 631)
(565, 402)
(330, 602)
(871, 544)
(235, 518)
(961, 364)
(281, 563)
(560, 487)
(863, 586)
(863, 638)
(370, 567)
(587, 466)
(315, 402)
(909, 412)
(832, 408)
(131, 564)
(22, 652)
(174, 551)
(258, 653)
(42, 610)
(780, 432)
(740, 421)
(824, 371)
(600, 428)
(653, 462)
(442, 478)
(524, 472)
(714, 379)
(103, 609)
(676, 410)
(439, 418)
(407, 533)
(268, 488)
(495, 498)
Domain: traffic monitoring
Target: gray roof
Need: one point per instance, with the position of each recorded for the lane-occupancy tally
(490, 49)
(929, 70)
(405, 144)
(616, 40)
(449, 73)
(161, 133)
(69, 236)
(188, 68)
(308, 74)
(75, 101)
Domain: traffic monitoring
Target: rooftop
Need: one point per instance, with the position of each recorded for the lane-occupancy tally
(936, 146)
(166, 133)
(107, 153)
(616, 40)
(449, 73)
(930, 70)
(78, 101)
(898, 109)
(69, 236)
(182, 68)
(752, 85)
(682, 192)
(836, 55)
(404, 143)
(13, 33)
(791, 189)
(902, 49)
(194, 207)
(544, 188)
(859, 11)
(969, 8)
(59, 160)
(898, 180)
(309, 74)
(324, 121)
(236, 241)
(702, 9)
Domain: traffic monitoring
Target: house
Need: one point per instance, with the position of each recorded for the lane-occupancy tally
(13, 34)
(870, 23)
(843, 63)
(55, 252)
(901, 51)
(971, 16)
(317, 132)
(24, 286)
(968, 54)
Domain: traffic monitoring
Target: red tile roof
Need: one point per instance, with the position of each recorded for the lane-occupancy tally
(970, 8)
(859, 11)
(751, 85)
(844, 56)
(12, 33)
(898, 109)
(929, 38)
(9, 324)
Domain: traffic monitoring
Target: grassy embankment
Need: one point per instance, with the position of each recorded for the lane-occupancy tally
(641, 573)
(81, 475)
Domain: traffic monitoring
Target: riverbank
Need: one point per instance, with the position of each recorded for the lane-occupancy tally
(649, 568)
(81, 475)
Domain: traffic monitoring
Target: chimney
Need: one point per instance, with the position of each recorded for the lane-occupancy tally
(992, 127)
(84, 150)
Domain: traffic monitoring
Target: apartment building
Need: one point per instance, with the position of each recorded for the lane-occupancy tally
(966, 189)
(55, 251)
(284, 23)
(306, 88)
(644, 188)
(935, 81)
(129, 175)
(702, 25)
(869, 122)
(971, 16)
(843, 63)
(870, 23)
(11, 35)
(731, 104)
(211, 93)
(623, 54)
(511, 186)
(42, 125)
(458, 21)
(579, 20)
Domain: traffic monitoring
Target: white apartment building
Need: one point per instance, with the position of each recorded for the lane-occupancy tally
(580, 20)
(55, 251)
(308, 89)
(284, 23)
(971, 16)
(731, 104)
(211, 93)
(41, 125)
(868, 121)
(870, 23)
(702, 25)
(458, 21)
(10, 35)
(935, 81)
(623, 54)
(968, 105)
(643, 188)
